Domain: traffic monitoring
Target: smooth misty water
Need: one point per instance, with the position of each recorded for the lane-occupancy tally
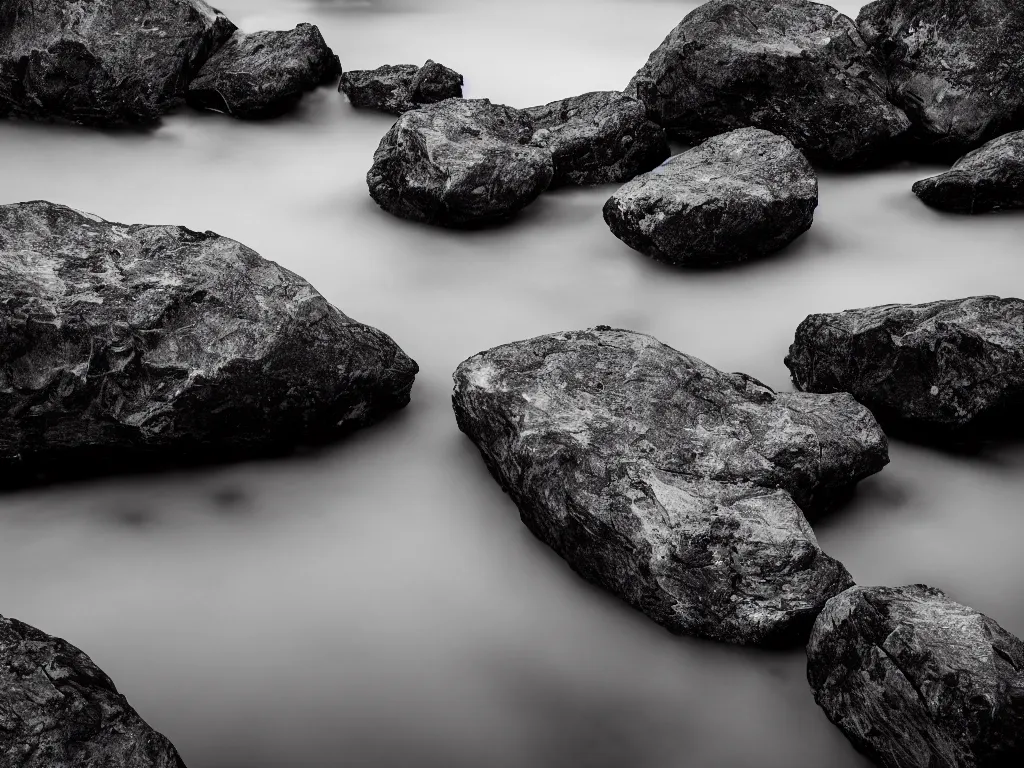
(381, 604)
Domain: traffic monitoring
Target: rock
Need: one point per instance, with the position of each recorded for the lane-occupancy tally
(398, 88)
(125, 346)
(955, 66)
(983, 180)
(598, 138)
(57, 709)
(673, 485)
(264, 74)
(103, 62)
(792, 67)
(942, 367)
(459, 163)
(916, 680)
(737, 196)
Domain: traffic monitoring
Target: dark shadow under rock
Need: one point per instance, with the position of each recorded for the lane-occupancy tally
(987, 179)
(398, 88)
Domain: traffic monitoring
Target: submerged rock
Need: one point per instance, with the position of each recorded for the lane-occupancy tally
(916, 680)
(104, 62)
(264, 74)
(675, 486)
(988, 178)
(737, 196)
(598, 138)
(462, 162)
(151, 345)
(398, 88)
(793, 67)
(57, 708)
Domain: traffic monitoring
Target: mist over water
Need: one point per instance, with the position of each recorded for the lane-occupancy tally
(380, 603)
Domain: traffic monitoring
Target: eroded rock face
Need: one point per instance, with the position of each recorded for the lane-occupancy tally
(103, 62)
(598, 138)
(986, 179)
(916, 680)
(145, 345)
(675, 486)
(264, 74)
(459, 163)
(57, 708)
(952, 366)
(955, 66)
(397, 88)
(737, 196)
(793, 67)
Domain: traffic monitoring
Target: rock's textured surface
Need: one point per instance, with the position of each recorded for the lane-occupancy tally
(57, 709)
(737, 196)
(264, 74)
(955, 66)
(462, 162)
(674, 485)
(950, 366)
(916, 680)
(397, 88)
(988, 178)
(598, 138)
(123, 345)
(103, 62)
(793, 67)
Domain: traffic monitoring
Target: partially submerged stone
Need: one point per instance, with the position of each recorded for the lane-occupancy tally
(398, 88)
(677, 487)
(989, 178)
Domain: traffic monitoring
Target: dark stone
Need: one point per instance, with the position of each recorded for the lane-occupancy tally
(148, 346)
(264, 74)
(598, 138)
(675, 486)
(988, 178)
(955, 66)
(103, 62)
(459, 163)
(737, 196)
(793, 67)
(398, 88)
(915, 680)
(57, 708)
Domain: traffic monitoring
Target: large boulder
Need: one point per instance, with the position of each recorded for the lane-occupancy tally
(986, 179)
(955, 66)
(677, 487)
(945, 367)
(264, 74)
(57, 709)
(459, 163)
(916, 680)
(397, 88)
(792, 67)
(125, 346)
(103, 62)
(737, 196)
(598, 138)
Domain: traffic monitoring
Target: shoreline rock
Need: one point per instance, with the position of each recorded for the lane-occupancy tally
(989, 178)
(399, 88)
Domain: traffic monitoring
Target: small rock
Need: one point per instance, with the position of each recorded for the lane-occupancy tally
(916, 680)
(398, 88)
(737, 196)
(988, 178)
(673, 485)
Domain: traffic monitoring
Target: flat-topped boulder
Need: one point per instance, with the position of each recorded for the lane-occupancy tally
(989, 178)
(398, 88)
(677, 487)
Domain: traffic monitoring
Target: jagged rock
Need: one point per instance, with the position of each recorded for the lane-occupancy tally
(946, 366)
(792, 67)
(916, 680)
(398, 88)
(988, 178)
(675, 486)
(598, 138)
(149, 345)
(458, 163)
(264, 74)
(103, 62)
(57, 709)
(955, 66)
(737, 196)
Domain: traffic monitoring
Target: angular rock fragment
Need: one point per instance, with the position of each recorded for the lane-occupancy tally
(673, 485)
(793, 67)
(989, 178)
(737, 196)
(916, 680)
(398, 88)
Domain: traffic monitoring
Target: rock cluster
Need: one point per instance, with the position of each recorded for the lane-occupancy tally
(989, 178)
(398, 88)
